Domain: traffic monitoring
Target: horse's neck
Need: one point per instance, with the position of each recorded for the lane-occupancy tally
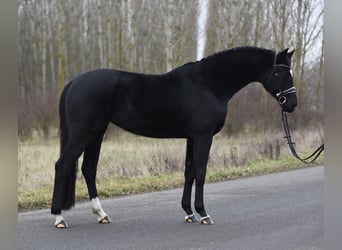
(227, 82)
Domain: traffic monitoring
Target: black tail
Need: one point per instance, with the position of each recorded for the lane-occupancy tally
(68, 197)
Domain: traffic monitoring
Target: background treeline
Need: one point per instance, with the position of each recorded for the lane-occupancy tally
(61, 39)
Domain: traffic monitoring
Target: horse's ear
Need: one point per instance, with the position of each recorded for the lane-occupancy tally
(290, 54)
(284, 52)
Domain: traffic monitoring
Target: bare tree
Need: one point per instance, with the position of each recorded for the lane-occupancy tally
(61, 39)
(62, 50)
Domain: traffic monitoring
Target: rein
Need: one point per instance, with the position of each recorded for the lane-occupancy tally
(311, 158)
(281, 96)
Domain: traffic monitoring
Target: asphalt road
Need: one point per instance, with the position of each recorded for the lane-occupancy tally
(275, 211)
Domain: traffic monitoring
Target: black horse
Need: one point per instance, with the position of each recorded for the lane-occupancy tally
(188, 102)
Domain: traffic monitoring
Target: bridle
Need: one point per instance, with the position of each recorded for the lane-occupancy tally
(281, 96)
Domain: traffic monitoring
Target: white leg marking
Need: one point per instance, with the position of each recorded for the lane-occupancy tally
(97, 209)
(60, 219)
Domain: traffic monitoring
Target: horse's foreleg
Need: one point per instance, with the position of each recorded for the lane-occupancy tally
(102, 217)
(189, 175)
(201, 149)
(89, 166)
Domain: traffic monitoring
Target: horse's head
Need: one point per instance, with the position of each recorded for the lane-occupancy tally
(280, 83)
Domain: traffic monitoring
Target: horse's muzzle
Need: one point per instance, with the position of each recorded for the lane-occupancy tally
(289, 109)
(290, 105)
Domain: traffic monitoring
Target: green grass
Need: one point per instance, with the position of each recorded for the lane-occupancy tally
(130, 165)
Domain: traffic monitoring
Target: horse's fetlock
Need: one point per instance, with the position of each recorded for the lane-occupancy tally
(200, 209)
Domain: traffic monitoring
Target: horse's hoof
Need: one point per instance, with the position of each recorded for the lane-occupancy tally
(206, 220)
(190, 218)
(62, 224)
(105, 220)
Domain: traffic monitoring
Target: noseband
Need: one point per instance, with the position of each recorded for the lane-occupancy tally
(281, 95)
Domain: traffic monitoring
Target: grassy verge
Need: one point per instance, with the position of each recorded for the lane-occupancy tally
(130, 164)
(116, 186)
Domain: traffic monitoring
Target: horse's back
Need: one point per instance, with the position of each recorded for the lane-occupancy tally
(149, 105)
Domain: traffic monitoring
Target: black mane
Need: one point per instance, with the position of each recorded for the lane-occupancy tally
(249, 54)
(241, 51)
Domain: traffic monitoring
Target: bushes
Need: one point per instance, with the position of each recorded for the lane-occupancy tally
(37, 113)
(254, 110)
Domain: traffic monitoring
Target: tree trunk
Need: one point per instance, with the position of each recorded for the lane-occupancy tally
(61, 50)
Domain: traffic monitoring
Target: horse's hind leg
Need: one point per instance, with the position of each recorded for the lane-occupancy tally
(65, 170)
(89, 167)
(64, 186)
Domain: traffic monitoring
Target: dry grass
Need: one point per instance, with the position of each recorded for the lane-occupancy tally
(131, 164)
(131, 156)
(36, 164)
